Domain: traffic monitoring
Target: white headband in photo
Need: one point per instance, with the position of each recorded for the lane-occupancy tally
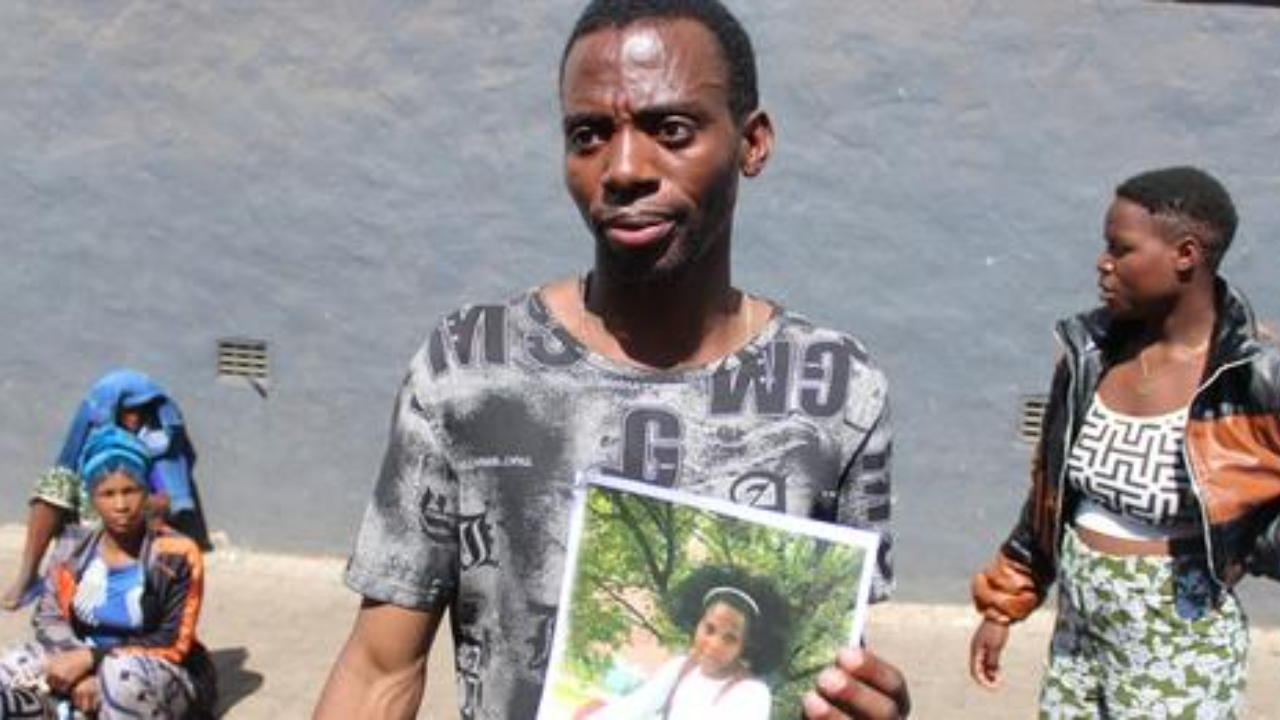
(727, 590)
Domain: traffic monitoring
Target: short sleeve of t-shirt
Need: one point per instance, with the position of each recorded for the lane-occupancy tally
(865, 492)
(406, 553)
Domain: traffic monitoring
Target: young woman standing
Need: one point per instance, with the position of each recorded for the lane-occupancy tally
(1157, 481)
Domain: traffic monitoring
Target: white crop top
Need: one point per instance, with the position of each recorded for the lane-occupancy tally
(1130, 473)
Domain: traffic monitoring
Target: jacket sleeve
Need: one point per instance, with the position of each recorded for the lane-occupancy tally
(1265, 558)
(1018, 579)
(179, 561)
(52, 617)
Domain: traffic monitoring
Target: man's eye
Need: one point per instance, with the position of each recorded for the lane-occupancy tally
(583, 138)
(675, 133)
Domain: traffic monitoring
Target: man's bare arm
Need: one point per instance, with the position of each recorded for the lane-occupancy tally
(382, 670)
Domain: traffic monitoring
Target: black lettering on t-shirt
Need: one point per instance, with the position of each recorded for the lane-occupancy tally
(461, 331)
(651, 446)
(476, 541)
(764, 378)
(824, 378)
(760, 489)
(551, 348)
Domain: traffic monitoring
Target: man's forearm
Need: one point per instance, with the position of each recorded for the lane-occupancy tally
(358, 689)
(382, 670)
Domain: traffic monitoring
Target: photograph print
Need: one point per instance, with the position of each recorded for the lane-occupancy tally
(682, 606)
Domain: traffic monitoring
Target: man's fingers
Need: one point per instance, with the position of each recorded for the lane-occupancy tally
(859, 686)
(817, 708)
(846, 696)
(871, 670)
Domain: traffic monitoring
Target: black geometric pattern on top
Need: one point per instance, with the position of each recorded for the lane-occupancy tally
(1133, 467)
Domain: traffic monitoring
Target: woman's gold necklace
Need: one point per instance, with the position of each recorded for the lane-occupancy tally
(1147, 385)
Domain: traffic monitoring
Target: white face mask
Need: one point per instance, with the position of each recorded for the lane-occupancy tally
(156, 440)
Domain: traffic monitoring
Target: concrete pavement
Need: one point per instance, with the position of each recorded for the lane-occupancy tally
(275, 624)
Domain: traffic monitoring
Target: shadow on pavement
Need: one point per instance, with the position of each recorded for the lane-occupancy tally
(235, 682)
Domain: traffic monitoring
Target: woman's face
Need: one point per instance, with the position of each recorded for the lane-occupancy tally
(130, 419)
(1139, 267)
(121, 502)
(718, 639)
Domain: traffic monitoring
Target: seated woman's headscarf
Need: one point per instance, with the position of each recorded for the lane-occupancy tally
(111, 450)
(172, 454)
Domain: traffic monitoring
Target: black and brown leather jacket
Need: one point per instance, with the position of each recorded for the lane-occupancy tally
(1231, 450)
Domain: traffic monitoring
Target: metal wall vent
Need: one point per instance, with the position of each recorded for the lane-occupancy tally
(244, 359)
(1030, 417)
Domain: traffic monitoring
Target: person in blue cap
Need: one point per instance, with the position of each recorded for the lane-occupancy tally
(131, 400)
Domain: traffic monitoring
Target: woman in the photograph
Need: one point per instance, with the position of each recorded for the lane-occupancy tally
(738, 627)
(116, 623)
(1157, 480)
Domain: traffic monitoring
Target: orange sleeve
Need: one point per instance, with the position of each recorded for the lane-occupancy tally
(1005, 591)
(176, 635)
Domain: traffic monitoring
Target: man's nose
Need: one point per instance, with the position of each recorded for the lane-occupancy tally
(630, 173)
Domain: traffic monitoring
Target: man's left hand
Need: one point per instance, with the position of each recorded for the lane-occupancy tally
(858, 686)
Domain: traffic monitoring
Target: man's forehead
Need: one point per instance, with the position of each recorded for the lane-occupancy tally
(647, 62)
(643, 46)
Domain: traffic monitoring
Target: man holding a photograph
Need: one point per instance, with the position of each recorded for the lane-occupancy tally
(651, 366)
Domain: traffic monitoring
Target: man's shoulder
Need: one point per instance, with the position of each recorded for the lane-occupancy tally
(471, 313)
(801, 365)
(797, 328)
(481, 346)
(477, 335)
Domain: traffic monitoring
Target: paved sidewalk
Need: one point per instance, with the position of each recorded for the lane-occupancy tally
(275, 624)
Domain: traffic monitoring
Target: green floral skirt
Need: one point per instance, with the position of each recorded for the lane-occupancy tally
(1143, 637)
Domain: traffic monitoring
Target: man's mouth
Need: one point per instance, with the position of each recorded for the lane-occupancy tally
(637, 230)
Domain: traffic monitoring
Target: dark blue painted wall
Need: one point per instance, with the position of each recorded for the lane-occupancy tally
(332, 176)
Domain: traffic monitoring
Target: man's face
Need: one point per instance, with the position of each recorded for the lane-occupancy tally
(652, 152)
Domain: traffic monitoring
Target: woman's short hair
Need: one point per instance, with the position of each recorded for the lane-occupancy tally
(1187, 199)
(768, 615)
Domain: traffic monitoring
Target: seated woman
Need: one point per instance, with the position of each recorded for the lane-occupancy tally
(135, 402)
(738, 626)
(116, 624)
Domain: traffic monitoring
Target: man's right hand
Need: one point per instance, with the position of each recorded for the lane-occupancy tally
(382, 670)
(984, 653)
(858, 686)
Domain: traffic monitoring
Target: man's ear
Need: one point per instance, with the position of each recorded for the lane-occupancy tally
(757, 142)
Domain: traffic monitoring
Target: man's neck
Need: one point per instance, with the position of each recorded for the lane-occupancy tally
(673, 322)
(667, 323)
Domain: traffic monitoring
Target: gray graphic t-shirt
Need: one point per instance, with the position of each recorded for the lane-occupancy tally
(502, 406)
